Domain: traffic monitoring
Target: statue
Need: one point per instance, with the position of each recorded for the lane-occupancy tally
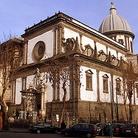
(38, 78)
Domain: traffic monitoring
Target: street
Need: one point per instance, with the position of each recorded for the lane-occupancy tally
(33, 135)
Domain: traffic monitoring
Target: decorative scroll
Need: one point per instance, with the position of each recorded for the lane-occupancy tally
(88, 50)
(102, 56)
(114, 61)
(69, 44)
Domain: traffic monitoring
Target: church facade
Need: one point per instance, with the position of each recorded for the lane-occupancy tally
(93, 57)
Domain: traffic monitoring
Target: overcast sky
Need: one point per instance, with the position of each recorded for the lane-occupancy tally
(17, 15)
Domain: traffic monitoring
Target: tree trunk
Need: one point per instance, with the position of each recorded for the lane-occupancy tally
(64, 101)
(5, 115)
(130, 110)
(4, 107)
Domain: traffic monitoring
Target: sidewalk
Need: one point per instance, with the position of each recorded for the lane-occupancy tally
(16, 130)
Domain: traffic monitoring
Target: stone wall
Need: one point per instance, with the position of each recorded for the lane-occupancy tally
(93, 112)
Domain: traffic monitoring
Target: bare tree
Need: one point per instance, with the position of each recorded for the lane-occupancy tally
(59, 74)
(11, 53)
(130, 76)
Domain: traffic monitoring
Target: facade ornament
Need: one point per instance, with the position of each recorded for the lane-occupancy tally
(88, 50)
(115, 61)
(102, 56)
(69, 44)
(38, 78)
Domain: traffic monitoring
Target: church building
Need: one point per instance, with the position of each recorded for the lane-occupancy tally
(93, 58)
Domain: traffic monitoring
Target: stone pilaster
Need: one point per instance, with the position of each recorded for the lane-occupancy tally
(54, 40)
(98, 91)
(60, 36)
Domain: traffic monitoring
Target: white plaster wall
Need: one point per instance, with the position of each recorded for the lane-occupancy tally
(121, 55)
(18, 89)
(85, 94)
(70, 33)
(113, 52)
(47, 38)
(101, 47)
(104, 97)
(29, 81)
(86, 40)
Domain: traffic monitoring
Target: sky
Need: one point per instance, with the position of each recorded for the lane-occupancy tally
(17, 15)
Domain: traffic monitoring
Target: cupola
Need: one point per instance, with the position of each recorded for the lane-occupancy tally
(117, 28)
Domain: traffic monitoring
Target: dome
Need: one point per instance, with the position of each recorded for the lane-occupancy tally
(114, 22)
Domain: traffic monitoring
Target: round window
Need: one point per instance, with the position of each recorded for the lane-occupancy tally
(39, 50)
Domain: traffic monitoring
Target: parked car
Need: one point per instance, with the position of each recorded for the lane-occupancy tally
(81, 129)
(130, 130)
(43, 127)
(102, 129)
(117, 128)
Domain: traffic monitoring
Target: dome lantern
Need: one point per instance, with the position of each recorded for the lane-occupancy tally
(112, 9)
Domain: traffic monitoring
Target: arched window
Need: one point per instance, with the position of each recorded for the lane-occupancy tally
(89, 83)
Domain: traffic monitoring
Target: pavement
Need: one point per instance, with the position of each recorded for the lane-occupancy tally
(16, 130)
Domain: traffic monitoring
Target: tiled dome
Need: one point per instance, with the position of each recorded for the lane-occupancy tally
(114, 22)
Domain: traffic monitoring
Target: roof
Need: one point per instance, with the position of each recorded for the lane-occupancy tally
(114, 22)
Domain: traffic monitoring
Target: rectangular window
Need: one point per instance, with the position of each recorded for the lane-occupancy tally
(89, 80)
(121, 41)
(118, 87)
(131, 45)
(105, 85)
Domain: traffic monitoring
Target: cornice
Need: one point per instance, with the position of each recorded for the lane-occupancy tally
(63, 18)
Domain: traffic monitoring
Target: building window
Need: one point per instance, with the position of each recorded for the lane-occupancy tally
(105, 83)
(89, 74)
(118, 86)
(121, 41)
(131, 45)
(39, 50)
